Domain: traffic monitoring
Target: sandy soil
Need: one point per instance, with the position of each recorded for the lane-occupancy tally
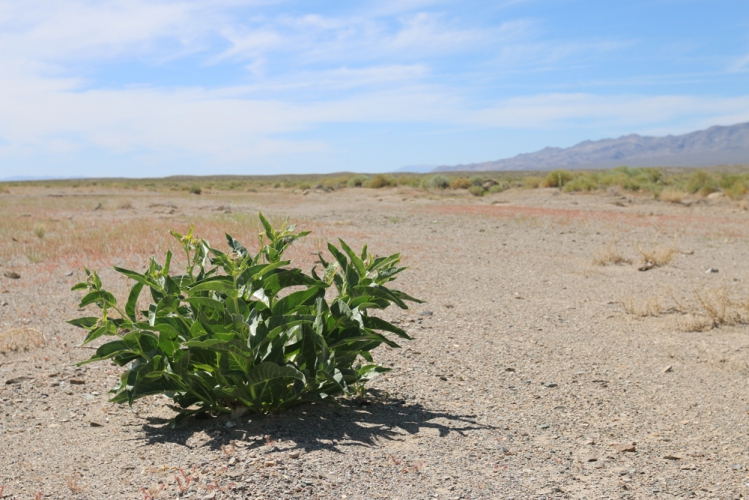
(534, 372)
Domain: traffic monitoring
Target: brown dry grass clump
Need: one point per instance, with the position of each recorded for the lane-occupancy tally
(673, 195)
(643, 307)
(656, 256)
(610, 254)
(20, 339)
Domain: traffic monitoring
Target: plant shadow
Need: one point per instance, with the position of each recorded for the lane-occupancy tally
(315, 426)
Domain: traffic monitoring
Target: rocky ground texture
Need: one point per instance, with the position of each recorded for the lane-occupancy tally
(533, 373)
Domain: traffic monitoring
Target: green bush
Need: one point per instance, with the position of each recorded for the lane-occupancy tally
(436, 182)
(477, 180)
(379, 181)
(476, 190)
(237, 330)
(305, 185)
(357, 180)
(702, 182)
(581, 183)
(195, 190)
(557, 178)
(532, 182)
(497, 188)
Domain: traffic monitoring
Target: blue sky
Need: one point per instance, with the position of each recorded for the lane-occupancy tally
(153, 88)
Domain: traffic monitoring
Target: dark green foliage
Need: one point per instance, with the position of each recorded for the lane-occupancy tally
(195, 190)
(237, 330)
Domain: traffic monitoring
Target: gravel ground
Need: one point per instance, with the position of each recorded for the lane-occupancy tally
(527, 377)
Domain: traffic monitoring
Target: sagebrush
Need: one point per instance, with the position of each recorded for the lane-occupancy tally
(240, 330)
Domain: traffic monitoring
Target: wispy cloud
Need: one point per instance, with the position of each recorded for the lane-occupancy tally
(282, 73)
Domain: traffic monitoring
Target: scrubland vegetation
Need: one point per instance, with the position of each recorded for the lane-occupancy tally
(666, 184)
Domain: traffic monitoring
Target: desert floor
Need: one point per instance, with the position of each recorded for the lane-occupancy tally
(535, 372)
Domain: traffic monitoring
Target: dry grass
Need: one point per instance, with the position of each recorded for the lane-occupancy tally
(656, 256)
(81, 236)
(705, 310)
(643, 307)
(721, 309)
(20, 339)
(610, 254)
(672, 195)
(73, 485)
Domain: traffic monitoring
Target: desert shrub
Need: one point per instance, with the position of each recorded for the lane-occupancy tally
(477, 180)
(40, 230)
(4, 189)
(532, 182)
(239, 330)
(735, 186)
(497, 188)
(672, 195)
(557, 178)
(379, 181)
(195, 190)
(581, 183)
(407, 180)
(436, 182)
(357, 180)
(701, 182)
(460, 183)
(305, 185)
(476, 190)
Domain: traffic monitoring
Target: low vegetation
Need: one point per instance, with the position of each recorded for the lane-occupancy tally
(234, 330)
(666, 184)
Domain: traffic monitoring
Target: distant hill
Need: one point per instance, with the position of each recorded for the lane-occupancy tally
(714, 146)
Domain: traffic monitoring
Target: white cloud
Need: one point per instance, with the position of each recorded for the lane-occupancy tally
(741, 64)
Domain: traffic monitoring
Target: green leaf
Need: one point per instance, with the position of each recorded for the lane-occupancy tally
(86, 322)
(132, 300)
(355, 260)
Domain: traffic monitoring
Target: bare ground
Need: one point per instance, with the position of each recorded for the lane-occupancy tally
(534, 372)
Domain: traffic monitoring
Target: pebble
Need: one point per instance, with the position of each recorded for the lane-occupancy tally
(12, 275)
(624, 447)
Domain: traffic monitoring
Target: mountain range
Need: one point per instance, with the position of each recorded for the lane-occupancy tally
(715, 146)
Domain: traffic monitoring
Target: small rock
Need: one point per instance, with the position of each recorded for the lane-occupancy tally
(4, 303)
(210, 496)
(672, 457)
(17, 380)
(426, 313)
(12, 275)
(509, 369)
(95, 424)
(76, 381)
(591, 459)
(646, 266)
(624, 447)
(737, 467)
(69, 273)
(668, 369)
(550, 384)
(232, 460)
(711, 270)
(294, 454)
(543, 426)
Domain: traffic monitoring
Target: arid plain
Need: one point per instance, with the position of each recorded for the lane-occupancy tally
(545, 363)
